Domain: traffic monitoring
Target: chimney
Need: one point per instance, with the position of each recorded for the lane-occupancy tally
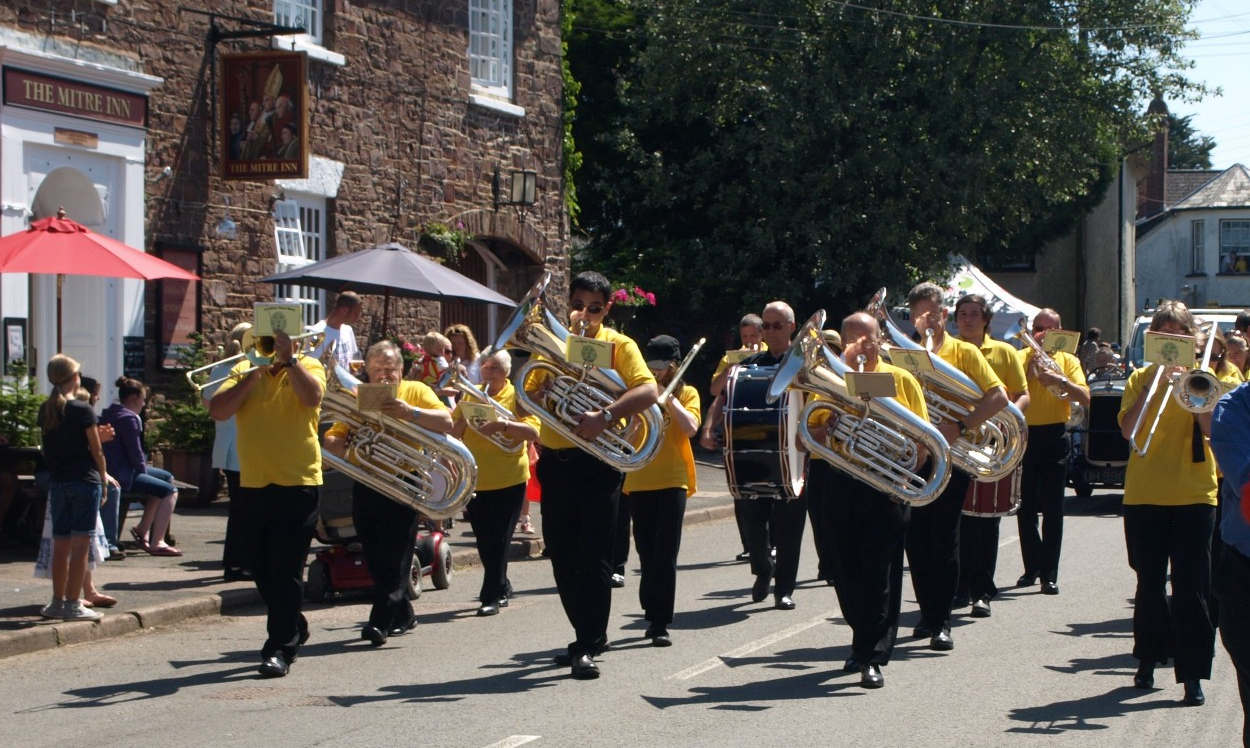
(1152, 204)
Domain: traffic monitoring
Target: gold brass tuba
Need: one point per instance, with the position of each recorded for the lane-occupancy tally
(430, 472)
(574, 389)
(875, 441)
(997, 446)
(455, 379)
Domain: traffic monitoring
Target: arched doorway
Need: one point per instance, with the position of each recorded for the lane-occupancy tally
(499, 265)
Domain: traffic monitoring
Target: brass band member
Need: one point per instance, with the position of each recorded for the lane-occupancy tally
(387, 529)
(864, 528)
(657, 493)
(1046, 456)
(751, 334)
(767, 517)
(1169, 513)
(276, 408)
(978, 536)
(933, 537)
(580, 492)
(501, 478)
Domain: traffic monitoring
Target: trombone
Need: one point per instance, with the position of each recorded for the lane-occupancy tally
(258, 349)
(1196, 391)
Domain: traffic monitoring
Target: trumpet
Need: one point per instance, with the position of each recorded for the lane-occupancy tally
(1196, 391)
(574, 389)
(258, 349)
(1043, 359)
(997, 445)
(455, 379)
(876, 441)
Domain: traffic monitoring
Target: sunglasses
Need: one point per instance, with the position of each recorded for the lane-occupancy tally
(578, 306)
(774, 325)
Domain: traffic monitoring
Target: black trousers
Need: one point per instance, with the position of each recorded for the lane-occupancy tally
(770, 520)
(816, 513)
(978, 557)
(740, 517)
(863, 535)
(1041, 491)
(233, 556)
(581, 496)
(493, 516)
(658, 517)
(276, 541)
(1156, 535)
(620, 538)
(933, 552)
(387, 531)
(1232, 586)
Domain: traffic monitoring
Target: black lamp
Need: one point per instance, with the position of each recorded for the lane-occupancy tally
(521, 188)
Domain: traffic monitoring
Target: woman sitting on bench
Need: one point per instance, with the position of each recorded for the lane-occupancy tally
(128, 464)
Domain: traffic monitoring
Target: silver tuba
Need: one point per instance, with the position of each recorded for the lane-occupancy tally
(430, 472)
(574, 389)
(997, 446)
(874, 441)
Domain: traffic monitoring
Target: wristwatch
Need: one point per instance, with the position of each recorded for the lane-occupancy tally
(607, 417)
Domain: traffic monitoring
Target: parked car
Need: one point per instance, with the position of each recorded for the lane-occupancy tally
(1099, 453)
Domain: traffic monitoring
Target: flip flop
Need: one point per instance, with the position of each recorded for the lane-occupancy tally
(164, 550)
(99, 601)
(138, 536)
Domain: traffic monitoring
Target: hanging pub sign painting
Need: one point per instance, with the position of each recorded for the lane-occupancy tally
(264, 115)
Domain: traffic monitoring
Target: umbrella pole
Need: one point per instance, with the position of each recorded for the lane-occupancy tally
(386, 310)
(60, 281)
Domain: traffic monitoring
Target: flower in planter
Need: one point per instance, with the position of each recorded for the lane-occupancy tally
(635, 296)
(443, 241)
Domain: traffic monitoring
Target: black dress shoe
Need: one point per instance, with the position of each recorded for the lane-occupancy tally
(661, 638)
(851, 665)
(921, 632)
(785, 602)
(759, 590)
(564, 660)
(981, 608)
(618, 580)
(1027, 579)
(942, 641)
(501, 602)
(373, 635)
(234, 575)
(404, 627)
(744, 556)
(1050, 588)
(1145, 676)
(488, 610)
(871, 677)
(585, 668)
(274, 666)
(960, 601)
(1193, 693)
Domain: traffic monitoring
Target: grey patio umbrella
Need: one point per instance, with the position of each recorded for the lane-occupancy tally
(391, 269)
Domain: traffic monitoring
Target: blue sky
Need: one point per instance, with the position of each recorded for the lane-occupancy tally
(1221, 58)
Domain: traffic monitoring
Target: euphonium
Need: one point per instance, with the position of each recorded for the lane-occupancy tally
(875, 441)
(997, 446)
(574, 389)
(430, 472)
(478, 395)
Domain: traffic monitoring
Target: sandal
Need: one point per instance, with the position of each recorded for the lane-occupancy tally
(164, 550)
(138, 536)
(99, 600)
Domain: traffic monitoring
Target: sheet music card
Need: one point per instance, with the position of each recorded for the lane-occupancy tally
(915, 361)
(868, 384)
(1061, 340)
(584, 351)
(271, 316)
(478, 415)
(371, 397)
(1169, 350)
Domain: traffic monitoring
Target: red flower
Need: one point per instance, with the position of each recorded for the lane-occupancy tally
(650, 298)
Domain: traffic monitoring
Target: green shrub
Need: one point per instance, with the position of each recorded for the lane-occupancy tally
(19, 410)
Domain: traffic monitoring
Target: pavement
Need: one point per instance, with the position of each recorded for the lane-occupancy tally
(157, 591)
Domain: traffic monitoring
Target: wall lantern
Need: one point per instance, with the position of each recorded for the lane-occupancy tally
(518, 188)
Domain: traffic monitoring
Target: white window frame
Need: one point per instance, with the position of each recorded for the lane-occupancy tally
(300, 237)
(1197, 247)
(490, 44)
(306, 13)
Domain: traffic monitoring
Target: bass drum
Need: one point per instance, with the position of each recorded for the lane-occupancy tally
(998, 498)
(762, 457)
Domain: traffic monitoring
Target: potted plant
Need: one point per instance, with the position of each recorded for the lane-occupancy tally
(180, 427)
(19, 407)
(626, 300)
(444, 242)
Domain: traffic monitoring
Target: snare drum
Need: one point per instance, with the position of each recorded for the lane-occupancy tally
(1000, 498)
(761, 440)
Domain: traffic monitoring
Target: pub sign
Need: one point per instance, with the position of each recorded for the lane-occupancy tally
(264, 115)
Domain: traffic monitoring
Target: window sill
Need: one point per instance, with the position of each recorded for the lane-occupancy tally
(301, 43)
(1196, 275)
(503, 107)
(1234, 274)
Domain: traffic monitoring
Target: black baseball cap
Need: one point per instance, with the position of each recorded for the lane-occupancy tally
(661, 351)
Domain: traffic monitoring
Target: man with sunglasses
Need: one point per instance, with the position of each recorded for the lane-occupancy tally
(768, 516)
(581, 494)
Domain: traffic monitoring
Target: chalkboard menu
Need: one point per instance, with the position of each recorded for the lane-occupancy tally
(132, 356)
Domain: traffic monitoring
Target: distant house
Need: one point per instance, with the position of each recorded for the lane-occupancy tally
(1197, 248)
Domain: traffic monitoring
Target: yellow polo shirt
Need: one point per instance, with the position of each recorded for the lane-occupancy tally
(1167, 475)
(628, 362)
(967, 358)
(416, 393)
(277, 435)
(497, 468)
(908, 393)
(1044, 408)
(673, 465)
(1005, 362)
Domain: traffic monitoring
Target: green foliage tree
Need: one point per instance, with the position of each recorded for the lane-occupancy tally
(1186, 148)
(19, 407)
(814, 150)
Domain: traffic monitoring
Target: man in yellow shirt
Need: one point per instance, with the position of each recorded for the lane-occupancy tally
(386, 528)
(276, 408)
(863, 529)
(933, 537)
(978, 536)
(657, 493)
(1046, 456)
(581, 494)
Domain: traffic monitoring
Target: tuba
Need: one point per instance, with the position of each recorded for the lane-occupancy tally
(997, 446)
(874, 441)
(478, 395)
(430, 472)
(574, 389)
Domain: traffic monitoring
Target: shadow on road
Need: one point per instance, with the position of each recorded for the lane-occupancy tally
(1082, 714)
(747, 696)
(1102, 505)
(1119, 628)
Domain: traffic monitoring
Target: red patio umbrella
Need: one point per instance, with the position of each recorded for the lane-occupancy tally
(57, 245)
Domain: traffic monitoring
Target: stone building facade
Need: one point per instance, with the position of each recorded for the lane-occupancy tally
(408, 125)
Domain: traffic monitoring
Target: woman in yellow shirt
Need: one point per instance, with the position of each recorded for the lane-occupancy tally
(1169, 515)
(657, 493)
(501, 478)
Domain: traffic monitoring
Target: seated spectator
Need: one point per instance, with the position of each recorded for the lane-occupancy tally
(128, 463)
(110, 510)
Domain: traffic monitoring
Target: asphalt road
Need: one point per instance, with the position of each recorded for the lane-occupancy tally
(1042, 670)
